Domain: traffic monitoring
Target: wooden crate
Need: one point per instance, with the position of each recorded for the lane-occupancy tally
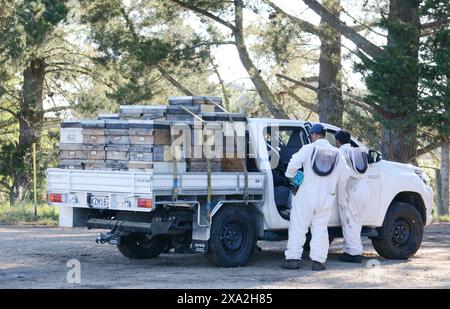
(108, 116)
(71, 164)
(94, 136)
(140, 166)
(99, 165)
(193, 100)
(116, 165)
(142, 139)
(141, 153)
(71, 123)
(117, 140)
(232, 165)
(163, 153)
(120, 153)
(167, 167)
(71, 136)
(202, 166)
(72, 151)
(162, 136)
(72, 154)
(94, 152)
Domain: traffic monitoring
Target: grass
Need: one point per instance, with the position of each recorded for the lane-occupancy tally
(444, 219)
(24, 214)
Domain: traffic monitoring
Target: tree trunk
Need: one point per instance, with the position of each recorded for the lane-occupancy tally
(31, 118)
(329, 95)
(399, 138)
(445, 175)
(261, 86)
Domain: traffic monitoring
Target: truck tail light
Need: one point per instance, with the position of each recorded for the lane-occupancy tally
(144, 203)
(55, 198)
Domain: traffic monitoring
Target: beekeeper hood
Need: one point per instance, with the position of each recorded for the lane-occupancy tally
(356, 158)
(324, 160)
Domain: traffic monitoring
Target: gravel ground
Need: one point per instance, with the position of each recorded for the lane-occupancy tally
(34, 257)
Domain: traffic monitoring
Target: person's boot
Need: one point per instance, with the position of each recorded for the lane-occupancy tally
(317, 266)
(291, 264)
(348, 258)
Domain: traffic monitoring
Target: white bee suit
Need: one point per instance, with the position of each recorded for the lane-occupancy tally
(353, 195)
(311, 206)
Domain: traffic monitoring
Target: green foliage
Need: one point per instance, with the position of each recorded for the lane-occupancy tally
(408, 82)
(135, 39)
(398, 62)
(435, 69)
(24, 214)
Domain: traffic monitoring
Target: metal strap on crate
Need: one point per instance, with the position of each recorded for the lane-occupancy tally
(175, 177)
(243, 163)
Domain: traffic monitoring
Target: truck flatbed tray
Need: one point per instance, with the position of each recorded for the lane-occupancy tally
(148, 183)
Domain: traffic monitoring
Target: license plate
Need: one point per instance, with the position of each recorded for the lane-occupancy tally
(98, 201)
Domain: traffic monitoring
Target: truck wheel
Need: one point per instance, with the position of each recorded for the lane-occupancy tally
(139, 246)
(402, 232)
(233, 238)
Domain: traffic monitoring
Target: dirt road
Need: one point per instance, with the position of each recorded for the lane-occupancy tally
(33, 257)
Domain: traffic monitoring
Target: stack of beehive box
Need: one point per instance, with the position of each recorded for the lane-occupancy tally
(143, 138)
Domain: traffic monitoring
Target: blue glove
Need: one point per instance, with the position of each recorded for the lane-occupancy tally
(296, 181)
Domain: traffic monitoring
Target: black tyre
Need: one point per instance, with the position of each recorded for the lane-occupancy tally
(233, 237)
(402, 232)
(140, 246)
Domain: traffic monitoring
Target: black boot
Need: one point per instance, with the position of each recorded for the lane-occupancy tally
(291, 264)
(347, 258)
(317, 266)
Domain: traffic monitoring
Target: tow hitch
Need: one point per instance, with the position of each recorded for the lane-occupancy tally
(110, 238)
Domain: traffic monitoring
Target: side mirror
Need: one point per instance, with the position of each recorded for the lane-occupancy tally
(374, 156)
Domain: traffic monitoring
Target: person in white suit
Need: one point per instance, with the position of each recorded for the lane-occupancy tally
(323, 166)
(353, 195)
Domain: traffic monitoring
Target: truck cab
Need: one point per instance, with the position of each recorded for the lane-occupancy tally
(223, 215)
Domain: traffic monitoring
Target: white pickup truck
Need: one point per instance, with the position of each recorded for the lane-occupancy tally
(223, 215)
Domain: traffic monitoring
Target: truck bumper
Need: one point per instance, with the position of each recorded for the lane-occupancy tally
(429, 204)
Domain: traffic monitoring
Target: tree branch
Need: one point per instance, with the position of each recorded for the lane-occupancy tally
(304, 25)
(310, 106)
(5, 184)
(428, 148)
(160, 69)
(56, 109)
(434, 24)
(360, 41)
(206, 13)
(8, 111)
(226, 101)
(173, 81)
(297, 82)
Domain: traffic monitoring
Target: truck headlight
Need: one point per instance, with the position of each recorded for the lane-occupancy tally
(424, 176)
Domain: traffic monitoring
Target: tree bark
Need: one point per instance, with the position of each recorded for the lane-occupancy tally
(329, 93)
(327, 16)
(400, 138)
(331, 107)
(260, 84)
(31, 118)
(445, 176)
